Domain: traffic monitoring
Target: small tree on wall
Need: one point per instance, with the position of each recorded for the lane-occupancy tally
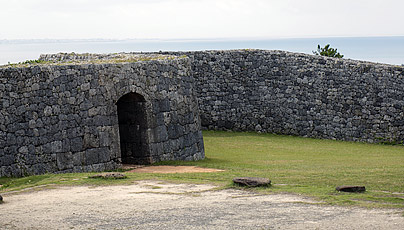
(328, 52)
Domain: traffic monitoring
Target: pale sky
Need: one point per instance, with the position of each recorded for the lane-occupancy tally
(199, 19)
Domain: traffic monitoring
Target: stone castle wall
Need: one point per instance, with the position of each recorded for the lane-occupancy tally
(299, 94)
(63, 117)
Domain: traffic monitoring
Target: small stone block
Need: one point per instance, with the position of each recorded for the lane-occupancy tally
(252, 181)
(109, 175)
(351, 188)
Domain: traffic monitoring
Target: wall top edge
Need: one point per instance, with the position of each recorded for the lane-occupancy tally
(67, 59)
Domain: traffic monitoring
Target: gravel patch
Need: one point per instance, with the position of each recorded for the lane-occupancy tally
(160, 205)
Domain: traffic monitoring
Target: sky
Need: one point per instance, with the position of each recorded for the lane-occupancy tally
(199, 19)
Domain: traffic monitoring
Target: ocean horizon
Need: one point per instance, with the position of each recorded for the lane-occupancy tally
(388, 50)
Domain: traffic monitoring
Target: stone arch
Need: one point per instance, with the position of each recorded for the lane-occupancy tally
(132, 119)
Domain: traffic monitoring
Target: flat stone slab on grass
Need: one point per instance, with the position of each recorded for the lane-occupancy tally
(351, 188)
(109, 175)
(252, 181)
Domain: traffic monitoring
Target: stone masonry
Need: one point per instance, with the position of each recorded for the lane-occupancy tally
(73, 114)
(62, 116)
(299, 94)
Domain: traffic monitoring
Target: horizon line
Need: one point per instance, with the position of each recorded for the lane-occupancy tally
(196, 39)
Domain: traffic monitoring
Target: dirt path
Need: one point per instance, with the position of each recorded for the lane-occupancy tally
(159, 205)
(172, 169)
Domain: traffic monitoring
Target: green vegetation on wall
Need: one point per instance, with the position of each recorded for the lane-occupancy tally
(327, 51)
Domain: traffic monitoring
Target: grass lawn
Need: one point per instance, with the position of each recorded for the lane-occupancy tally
(306, 166)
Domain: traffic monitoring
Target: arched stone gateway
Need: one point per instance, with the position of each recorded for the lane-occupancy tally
(96, 112)
(132, 129)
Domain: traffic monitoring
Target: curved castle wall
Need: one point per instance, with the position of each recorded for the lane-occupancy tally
(299, 94)
(63, 117)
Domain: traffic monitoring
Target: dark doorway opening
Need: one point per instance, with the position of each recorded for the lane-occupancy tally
(132, 129)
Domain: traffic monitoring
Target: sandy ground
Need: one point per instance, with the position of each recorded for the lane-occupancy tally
(172, 169)
(160, 205)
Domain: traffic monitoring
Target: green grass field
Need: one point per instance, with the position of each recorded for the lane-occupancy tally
(305, 166)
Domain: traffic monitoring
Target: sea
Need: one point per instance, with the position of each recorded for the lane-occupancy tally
(389, 50)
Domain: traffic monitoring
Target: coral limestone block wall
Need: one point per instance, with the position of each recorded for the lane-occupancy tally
(299, 94)
(93, 117)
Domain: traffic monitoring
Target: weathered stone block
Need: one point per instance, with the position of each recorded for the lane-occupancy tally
(105, 139)
(104, 155)
(252, 181)
(64, 160)
(56, 146)
(160, 134)
(79, 158)
(76, 144)
(92, 156)
(355, 189)
(90, 141)
(164, 105)
(172, 132)
(37, 169)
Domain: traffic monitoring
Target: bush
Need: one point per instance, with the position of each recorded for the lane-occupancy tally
(327, 51)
